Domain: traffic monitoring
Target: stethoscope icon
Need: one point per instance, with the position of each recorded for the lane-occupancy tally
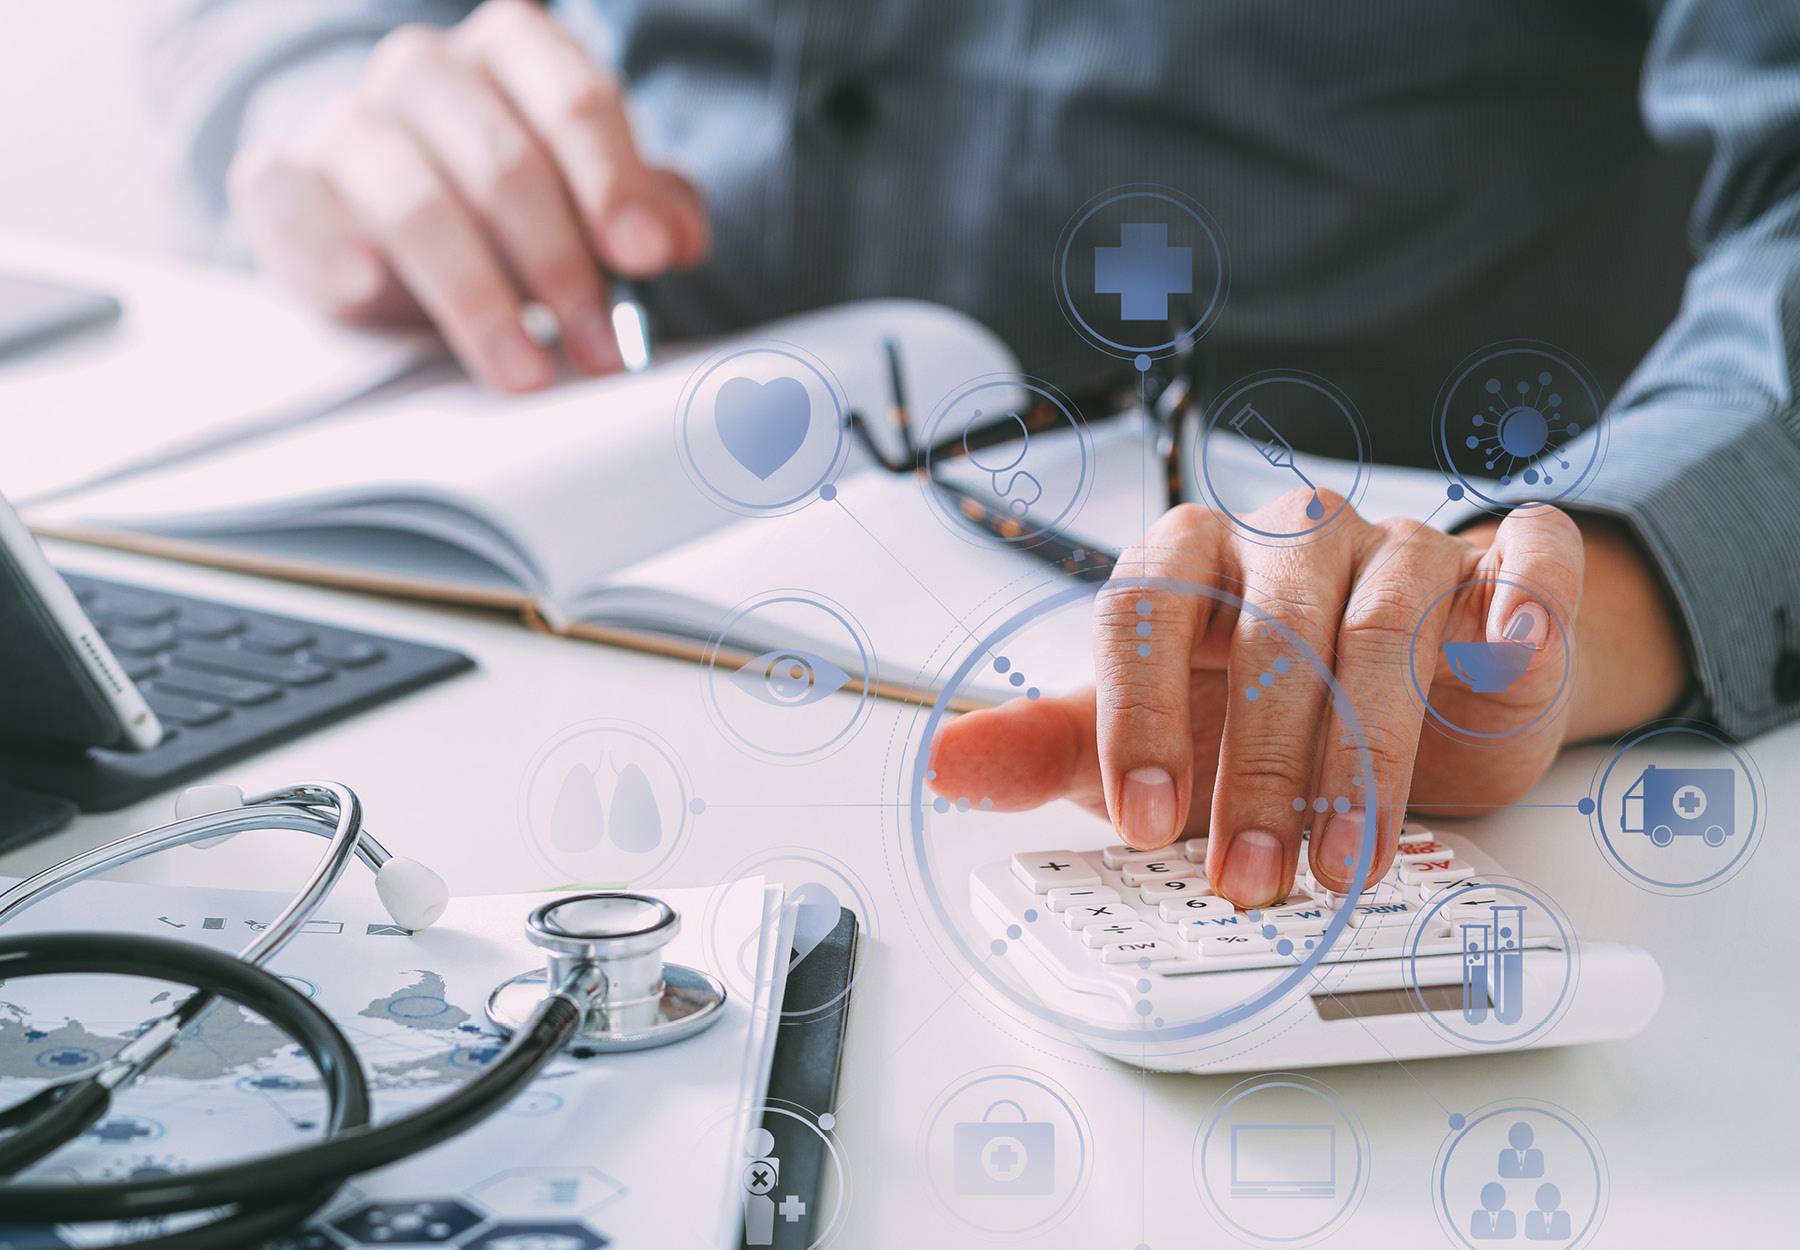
(1021, 489)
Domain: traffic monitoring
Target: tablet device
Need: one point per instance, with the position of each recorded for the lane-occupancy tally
(62, 682)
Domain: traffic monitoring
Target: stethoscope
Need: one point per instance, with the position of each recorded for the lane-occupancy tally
(606, 988)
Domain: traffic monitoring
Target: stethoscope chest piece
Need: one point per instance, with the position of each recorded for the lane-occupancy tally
(610, 946)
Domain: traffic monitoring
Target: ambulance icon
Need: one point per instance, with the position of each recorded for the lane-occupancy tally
(1680, 801)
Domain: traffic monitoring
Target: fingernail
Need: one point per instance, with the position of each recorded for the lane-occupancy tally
(1147, 808)
(1528, 624)
(517, 362)
(639, 241)
(589, 334)
(1334, 851)
(1253, 863)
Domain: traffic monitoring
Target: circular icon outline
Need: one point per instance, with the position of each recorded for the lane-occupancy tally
(1071, 1108)
(1442, 436)
(1753, 832)
(916, 851)
(1311, 381)
(631, 729)
(868, 920)
(717, 646)
(1416, 984)
(944, 506)
(1197, 1170)
(1208, 228)
(1440, 1197)
(1558, 617)
(684, 417)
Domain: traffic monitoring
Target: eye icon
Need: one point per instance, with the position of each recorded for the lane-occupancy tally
(790, 678)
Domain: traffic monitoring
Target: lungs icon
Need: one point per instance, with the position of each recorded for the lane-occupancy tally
(579, 820)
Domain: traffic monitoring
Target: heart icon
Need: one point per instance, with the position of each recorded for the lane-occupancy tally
(762, 424)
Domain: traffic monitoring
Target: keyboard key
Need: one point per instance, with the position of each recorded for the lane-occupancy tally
(276, 637)
(347, 652)
(1082, 915)
(115, 605)
(1189, 927)
(219, 688)
(1414, 852)
(1154, 869)
(1094, 936)
(1154, 892)
(1131, 952)
(1193, 850)
(140, 667)
(178, 709)
(1241, 942)
(1175, 910)
(1063, 897)
(206, 624)
(1307, 917)
(1480, 892)
(1413, 837)
(139, 639)
(1040, 871)
(222, 659)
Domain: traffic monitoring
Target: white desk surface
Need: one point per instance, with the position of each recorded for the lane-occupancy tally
(1699, 1116)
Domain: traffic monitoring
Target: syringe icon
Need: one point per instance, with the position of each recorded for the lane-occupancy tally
(1273, 447)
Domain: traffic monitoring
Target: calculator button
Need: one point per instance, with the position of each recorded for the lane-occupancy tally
(1175, 910)
(1193, 850)
(1095, 936)
(1412, 837)
(237, 691)
(1081, 915)
(347, 652)
(1216, 945)
(1307, 916)
(1391, 912)
(1154, 869)
(181, 710)
(1445, 869)
(1191, 928)
(1413, 852)
(1154, 892)
(1118, 855)
(276, 637)
(217, 658)
(1063, 897)
(208, 624)
(1040, 871)
(1131, 952)
(1480, 892)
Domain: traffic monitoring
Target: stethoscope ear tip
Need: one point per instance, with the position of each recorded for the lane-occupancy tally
(414, 895)
(208, 801)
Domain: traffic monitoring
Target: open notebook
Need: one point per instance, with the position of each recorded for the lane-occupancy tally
(574, 507)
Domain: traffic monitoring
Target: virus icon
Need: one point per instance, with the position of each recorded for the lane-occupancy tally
(1522, 430)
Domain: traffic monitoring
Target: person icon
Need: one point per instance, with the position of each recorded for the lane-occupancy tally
(760, 1176)
(1523, 1161)
(1493, 1222)
(1547, 1223)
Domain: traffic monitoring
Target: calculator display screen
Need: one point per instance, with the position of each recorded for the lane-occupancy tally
(1388, 1002)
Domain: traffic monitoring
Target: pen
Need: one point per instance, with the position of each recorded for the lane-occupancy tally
(631, 325)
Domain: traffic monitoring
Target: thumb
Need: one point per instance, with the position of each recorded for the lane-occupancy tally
(1538, 555)
(1022, 754)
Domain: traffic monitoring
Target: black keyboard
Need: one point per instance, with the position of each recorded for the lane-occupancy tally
(226, 682)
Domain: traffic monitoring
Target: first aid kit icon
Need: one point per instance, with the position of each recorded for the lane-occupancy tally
(1672, 802)
(1005, 1156)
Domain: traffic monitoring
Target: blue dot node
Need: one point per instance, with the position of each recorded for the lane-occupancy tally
(1032, 693)
(1143, 629)
(1144, 1008)
(1319, 804)
(1013, 931)
(696, 806)
(1031, 915)
(962, 804)
(1143, 985)
(828, 1121)
(1457, 1120)
(828, 492)
(1144, 649)
(1454, 490)
(1252, 694)
(997, 946)
(1282, 664)
(1267, 679)
(1585, 807)
(1340, 805)
(1284, 947)
(940, 804)
(1299, 805)
(1001, 664)
(1143, 607)
(987, 805)
(1142, 362)
(1017, 679)
(1269, 930)
(1144, 963)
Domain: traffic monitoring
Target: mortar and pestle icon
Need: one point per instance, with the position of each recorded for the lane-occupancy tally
(1490, 667)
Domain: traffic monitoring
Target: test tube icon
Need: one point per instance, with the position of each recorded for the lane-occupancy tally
(1508, 957)
(1475, 973)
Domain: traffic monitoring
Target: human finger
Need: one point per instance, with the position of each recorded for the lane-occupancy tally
(500, 170)
(1145, 628)
(433, 243)
(642, 220)
(1387, 647)
(1275, 707)
(302, 236)
(1022, 754)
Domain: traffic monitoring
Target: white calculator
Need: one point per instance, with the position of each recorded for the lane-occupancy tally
(1447, 954)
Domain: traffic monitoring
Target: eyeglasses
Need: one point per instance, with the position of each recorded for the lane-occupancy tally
(1163, 396)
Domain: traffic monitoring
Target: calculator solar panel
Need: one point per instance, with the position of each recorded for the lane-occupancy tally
(226, 682)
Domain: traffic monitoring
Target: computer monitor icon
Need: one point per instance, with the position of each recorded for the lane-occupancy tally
(1283, 1161)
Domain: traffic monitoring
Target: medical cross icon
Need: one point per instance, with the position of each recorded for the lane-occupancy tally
(1690, 801)
(1004, 1158)
(1143, 271)
(792, 1208)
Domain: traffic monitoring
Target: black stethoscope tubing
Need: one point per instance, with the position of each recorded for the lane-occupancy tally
(271, 1193)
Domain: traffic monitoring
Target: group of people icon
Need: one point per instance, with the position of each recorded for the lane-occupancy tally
(1520, 1161)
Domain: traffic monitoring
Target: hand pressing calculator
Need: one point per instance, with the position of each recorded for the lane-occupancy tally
(1446, 954)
